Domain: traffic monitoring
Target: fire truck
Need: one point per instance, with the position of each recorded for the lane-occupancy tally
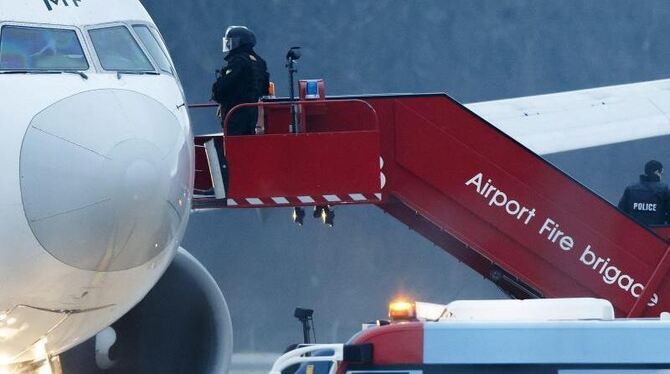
(500, 336)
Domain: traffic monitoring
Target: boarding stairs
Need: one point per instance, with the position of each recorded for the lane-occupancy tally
(454, 178)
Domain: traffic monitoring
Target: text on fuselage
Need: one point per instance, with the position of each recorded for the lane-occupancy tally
(51, 3)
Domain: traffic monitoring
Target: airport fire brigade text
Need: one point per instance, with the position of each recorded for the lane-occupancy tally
(551, 231)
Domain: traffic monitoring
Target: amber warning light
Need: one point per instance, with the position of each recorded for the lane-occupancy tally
(401, 310)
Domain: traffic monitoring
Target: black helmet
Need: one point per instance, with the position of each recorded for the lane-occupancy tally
(238, 36)
(652, 166)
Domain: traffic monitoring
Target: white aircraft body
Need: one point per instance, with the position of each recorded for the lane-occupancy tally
(96, 159)
(574, 120)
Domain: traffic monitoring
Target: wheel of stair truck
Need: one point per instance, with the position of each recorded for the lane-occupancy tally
(298, 215)
(325, 213)
(328, 216)
(182, 326)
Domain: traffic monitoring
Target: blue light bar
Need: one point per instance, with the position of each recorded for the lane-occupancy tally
(312, 89)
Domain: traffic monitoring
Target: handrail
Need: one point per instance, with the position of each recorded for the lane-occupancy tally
(297, 356)
(264, 104)
(210, 104)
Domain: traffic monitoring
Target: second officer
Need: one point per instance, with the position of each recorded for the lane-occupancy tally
(647, 200)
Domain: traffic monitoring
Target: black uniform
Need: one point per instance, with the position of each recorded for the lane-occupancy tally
(243, 80)
(646, 201)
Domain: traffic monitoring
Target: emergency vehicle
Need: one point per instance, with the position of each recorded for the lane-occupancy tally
(493, 336)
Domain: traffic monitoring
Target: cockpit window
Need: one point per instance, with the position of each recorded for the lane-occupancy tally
(154, 48)
(118, 51)
(40, 49)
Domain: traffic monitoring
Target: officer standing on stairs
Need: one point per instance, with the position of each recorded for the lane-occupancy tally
(244, 79)
(647, 201)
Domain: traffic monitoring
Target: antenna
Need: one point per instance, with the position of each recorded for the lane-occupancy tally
(292, 56)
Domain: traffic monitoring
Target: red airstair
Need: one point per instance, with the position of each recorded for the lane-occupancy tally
(459, 181)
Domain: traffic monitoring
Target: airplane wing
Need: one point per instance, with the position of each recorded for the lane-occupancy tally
(573, 120)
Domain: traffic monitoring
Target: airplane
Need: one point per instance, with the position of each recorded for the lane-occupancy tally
(97, 164)
(97, 161)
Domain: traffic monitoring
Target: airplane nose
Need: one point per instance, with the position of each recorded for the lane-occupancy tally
(106, 179)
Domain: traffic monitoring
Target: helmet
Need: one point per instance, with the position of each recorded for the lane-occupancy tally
(237, 36)
(652, 166)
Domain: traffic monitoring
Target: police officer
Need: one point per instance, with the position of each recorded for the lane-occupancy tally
(244, 79)
(647, 201)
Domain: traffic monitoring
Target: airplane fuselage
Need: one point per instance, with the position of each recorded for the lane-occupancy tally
(97, 163)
